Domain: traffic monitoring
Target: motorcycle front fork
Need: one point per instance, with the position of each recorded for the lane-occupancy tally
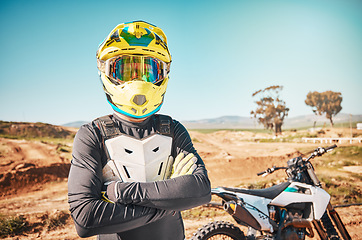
(325, 227)
(338, 222)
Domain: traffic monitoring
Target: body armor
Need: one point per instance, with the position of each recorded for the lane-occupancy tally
(136, 160)
(133, 160)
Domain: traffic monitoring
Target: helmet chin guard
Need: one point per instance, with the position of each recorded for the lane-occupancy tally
(136, 99)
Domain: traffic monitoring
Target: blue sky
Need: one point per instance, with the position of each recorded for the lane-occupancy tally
(222, 52)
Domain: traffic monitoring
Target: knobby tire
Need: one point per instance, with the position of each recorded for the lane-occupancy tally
(219, 230)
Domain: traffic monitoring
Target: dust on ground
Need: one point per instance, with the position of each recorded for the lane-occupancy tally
(33, 178)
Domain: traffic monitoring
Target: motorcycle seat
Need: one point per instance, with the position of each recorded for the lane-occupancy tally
(270, 192)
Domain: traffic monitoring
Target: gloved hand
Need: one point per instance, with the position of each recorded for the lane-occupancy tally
(183, 165)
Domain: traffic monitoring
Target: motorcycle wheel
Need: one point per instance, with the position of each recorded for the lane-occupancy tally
(219, 230)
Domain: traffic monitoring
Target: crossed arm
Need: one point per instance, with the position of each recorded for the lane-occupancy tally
(137, 204)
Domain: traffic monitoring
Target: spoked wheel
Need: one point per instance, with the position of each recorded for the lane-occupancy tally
(219, 230)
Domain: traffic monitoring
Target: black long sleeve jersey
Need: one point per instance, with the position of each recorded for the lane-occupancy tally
(143, 210)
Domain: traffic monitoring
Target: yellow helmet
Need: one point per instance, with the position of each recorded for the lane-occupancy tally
(134, 64)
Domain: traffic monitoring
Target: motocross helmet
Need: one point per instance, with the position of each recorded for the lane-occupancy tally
(134, 64)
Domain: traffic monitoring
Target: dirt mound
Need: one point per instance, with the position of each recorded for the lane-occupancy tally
(26, 165)
(34, 130)
(27, 174)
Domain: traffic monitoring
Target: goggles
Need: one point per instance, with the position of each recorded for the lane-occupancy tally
(128, 68)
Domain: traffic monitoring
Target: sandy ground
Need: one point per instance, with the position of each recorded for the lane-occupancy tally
(34, 178)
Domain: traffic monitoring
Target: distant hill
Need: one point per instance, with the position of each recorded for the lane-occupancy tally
(237, 122)
(33, 130)
(308, 120)
(225, 122)
(76, 124)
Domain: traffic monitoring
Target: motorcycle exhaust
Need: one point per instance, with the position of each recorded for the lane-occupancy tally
(229, 207)
(241, 215)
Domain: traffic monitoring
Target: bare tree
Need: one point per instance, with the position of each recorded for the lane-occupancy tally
(271, 110)
(327, 102)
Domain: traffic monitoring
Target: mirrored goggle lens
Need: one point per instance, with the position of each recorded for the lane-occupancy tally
(128, 68)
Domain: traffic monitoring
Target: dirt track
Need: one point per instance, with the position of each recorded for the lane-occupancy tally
(25, 165)
(33, 177)
(231, 160)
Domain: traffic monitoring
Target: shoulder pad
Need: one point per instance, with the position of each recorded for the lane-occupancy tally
(163, 125)
(107, 127)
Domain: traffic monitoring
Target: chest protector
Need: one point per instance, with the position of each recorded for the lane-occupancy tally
(136, 160)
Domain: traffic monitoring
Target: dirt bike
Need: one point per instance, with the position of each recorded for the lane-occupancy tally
(290, 210)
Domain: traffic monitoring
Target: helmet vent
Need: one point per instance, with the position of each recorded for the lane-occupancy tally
(113, 81)
(148, 50)
(139, 99)
(134, 110)
(125, 49)
(113, 51)
(144, 110)
(115, 37)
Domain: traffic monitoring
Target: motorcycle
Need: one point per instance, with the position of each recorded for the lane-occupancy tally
(287, 211)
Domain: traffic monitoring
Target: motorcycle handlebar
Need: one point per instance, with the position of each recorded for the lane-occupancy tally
(261, 173)
(330, 147)
(266, 172)
(318, 152)
(270, 170)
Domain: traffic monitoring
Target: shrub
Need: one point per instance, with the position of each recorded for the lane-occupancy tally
(58, 219)
(12, 225)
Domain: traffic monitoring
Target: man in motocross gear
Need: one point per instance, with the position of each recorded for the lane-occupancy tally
(134, 171)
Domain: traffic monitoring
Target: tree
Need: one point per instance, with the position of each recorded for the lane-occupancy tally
(327, 102)
(271, 110)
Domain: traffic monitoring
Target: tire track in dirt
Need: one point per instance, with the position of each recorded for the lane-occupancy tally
(36, 152)
(27, 165)
(231, 161)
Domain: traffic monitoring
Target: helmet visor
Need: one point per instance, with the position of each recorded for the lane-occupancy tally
(128, 68)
